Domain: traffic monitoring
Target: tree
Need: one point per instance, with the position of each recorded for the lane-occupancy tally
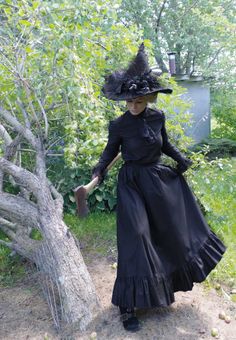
(53, 57)
(51, 63)
(202, 33)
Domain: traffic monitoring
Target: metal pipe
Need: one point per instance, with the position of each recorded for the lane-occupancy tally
(172, 66)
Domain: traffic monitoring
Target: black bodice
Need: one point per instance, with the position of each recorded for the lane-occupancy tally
(141, 138)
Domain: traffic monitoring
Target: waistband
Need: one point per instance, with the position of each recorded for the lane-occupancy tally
(138, 163)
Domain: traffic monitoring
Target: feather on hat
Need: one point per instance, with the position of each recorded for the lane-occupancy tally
(137, 81)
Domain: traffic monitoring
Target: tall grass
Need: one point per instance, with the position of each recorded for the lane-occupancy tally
(214, 183)
(96, 233)
(11, 266)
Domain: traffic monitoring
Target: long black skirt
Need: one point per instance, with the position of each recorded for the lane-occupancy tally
(164, 242)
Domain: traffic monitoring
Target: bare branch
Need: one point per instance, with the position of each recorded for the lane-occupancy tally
(27, 90)
(25, 246)
(193, 66)
(27, 150)
(97, 43)
(215, 56)
(9, 153)
(8, 231)
(54, 191)
(18, 210)
(160, 61)
(6, 244)
(19, 127)
(187, 64)
(7, 139)
(14, 227)
(159, 16)
(25, 114)
(8, 224)
(11, 149)
(20, 64)
(56, 141)
(25, 193)
(10, 66)
(5, 135)
(185, 13)
(54, 106)
(20, 38)
(8, 101)
(57, 196)
(22, 243)
(55, 154)
(1, 180)
(44, 117)
(24, 177)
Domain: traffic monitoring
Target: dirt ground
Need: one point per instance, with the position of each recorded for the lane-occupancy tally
(25, 315)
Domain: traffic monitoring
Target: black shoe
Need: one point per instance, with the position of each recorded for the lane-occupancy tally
(129, 319)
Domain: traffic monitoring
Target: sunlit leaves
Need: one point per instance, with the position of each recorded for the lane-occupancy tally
(58, 52)
(202, 33)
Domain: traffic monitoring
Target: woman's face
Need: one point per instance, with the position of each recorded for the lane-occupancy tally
(137, 105)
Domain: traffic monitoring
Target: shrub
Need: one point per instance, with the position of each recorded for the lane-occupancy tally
(216, 147)
(224, 111)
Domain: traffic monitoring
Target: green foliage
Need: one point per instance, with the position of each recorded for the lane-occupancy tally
(102, 198)
(63, 50)
(224, 111)
(202, 33)
(214, 183)
(178, 115)
(216, 147)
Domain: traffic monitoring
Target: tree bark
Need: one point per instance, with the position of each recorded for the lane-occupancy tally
(73, 280)
(160, 62)
(72, 297)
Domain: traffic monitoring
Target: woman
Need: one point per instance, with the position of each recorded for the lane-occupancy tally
(164, 243)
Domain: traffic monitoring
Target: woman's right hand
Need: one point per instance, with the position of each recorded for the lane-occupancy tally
(99, 173)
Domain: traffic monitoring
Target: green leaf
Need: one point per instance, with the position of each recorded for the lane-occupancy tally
(25, 22)
(99, 198)
(35, 4)
(72, 198)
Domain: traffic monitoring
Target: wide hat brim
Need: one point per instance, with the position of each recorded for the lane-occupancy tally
(128, 96)
(137, 81)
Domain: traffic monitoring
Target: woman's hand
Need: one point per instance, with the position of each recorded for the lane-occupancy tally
(184, 165)
(101, 174)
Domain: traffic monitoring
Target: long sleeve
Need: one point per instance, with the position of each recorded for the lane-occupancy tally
(111, 149)
(168, 148)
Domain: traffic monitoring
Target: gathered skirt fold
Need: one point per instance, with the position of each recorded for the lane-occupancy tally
(164, 243)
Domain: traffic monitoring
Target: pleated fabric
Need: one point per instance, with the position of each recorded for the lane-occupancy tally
(164, 243)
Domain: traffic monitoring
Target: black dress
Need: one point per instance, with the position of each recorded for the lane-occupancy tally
(164, 242)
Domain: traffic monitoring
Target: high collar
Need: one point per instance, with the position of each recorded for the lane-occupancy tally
(142, 114)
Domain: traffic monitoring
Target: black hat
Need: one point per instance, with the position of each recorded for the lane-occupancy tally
(137, 81)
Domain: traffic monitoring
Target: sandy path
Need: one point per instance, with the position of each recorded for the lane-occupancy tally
(25, 315)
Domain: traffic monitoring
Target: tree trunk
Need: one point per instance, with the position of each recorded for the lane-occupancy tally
(63, 274)
(160, 62)
(37, 204)
(62, 260)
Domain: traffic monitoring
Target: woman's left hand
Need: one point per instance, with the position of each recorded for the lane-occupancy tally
(184, 165)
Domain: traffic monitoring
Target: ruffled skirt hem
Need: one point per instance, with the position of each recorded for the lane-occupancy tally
(156, 291)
